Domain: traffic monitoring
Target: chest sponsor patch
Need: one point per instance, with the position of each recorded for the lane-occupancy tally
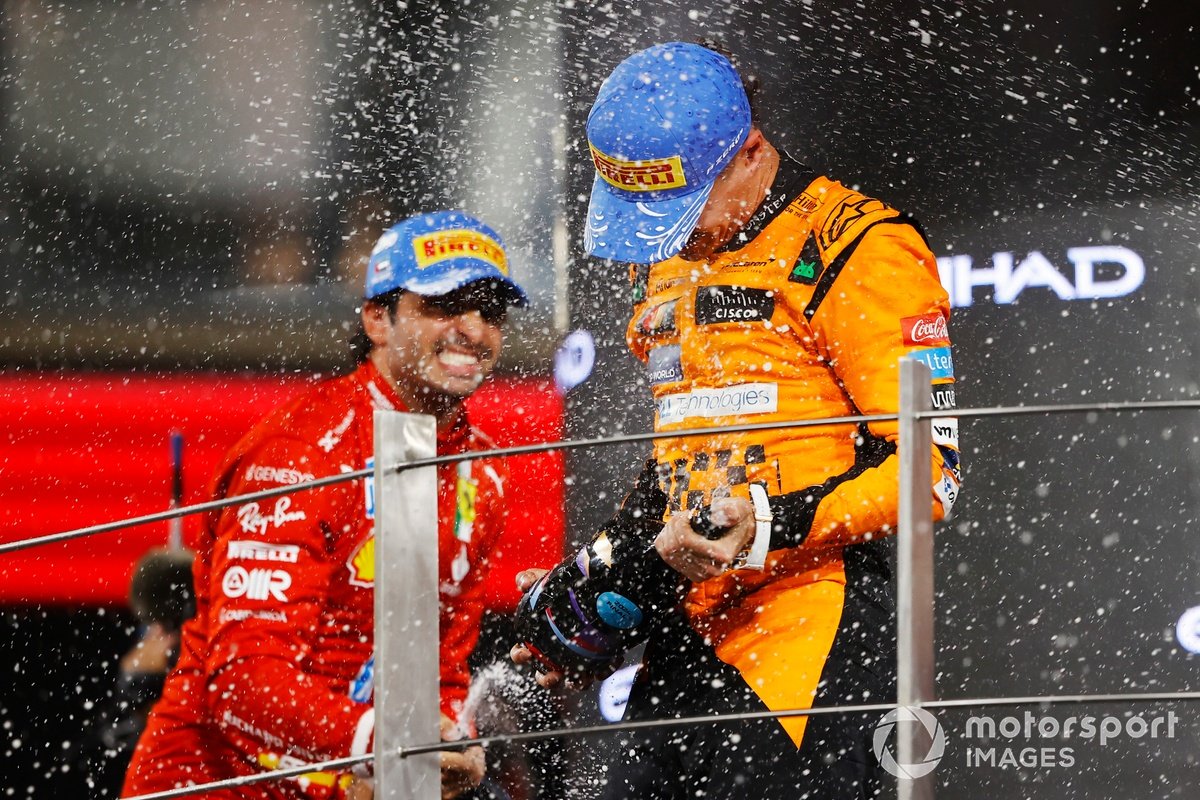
(664, 365)
(939, 361)
(808, 264)
(262, 551)
(466, 491)
(362, 688)
(256, 584)
(362, 564)
(284, 476)
(369, 490)
(741, 400)
(716, 304)
(253, 519)
(927, 330)
(640, 277)
(657, 319)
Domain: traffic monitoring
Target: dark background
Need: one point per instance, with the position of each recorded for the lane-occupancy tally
(1008, 127)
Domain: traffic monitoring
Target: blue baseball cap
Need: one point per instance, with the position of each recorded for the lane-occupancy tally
(665, 123)
(437, 253)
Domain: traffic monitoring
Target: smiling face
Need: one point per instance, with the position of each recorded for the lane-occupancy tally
(436, 351)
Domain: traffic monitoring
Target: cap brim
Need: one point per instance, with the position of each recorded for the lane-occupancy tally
(640, 231)
(454, 279)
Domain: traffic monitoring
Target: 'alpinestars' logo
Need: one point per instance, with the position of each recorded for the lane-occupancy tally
(844, 217)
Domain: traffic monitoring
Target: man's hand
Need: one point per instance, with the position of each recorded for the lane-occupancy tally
(360, 789)
(520, 653)
(462, 770)
(698, 558)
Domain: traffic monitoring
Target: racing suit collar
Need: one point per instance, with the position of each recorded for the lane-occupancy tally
(383, 395)
(791, 179)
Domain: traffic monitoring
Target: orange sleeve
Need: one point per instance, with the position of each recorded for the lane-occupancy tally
(865, 326)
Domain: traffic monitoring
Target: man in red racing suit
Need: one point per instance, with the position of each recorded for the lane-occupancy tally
(276, 667)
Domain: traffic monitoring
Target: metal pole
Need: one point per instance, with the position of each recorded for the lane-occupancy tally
(914, 577)
(406, 608)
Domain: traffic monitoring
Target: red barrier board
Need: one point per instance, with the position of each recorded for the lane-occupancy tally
(80, 449)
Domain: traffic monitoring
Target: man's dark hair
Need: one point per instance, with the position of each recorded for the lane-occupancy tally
(750, 81)
(360, 343)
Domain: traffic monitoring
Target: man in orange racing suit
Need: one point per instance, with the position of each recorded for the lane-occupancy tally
(276, 666)
(762, 292)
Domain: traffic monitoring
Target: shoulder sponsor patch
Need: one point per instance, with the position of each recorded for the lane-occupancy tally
(805, 204)
(717, 304)
(926, 330)
(664, 364)
(943, 396)
(844, 217)
(939, 361)
(945, 431)
(946, 491)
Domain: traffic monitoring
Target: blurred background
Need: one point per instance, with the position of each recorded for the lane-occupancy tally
(190, 191)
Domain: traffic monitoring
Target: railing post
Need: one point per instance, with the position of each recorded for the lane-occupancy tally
(406, 608)
(914, 575)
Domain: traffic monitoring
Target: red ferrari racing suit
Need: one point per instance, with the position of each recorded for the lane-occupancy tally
(275, 668)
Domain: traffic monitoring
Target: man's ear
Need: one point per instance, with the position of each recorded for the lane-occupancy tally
(752, 149)
(377, 322)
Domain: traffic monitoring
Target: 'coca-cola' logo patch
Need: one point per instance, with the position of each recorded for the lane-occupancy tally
(927, 330)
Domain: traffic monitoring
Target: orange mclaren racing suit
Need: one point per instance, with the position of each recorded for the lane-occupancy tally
(276, 667)
(805, 315)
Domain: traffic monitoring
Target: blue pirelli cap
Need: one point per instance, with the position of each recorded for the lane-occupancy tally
(437, 253)
(665, 124)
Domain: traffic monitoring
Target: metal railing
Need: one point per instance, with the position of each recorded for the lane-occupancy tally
(406, 700)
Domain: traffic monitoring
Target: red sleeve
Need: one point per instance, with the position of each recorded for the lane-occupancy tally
(271, 569)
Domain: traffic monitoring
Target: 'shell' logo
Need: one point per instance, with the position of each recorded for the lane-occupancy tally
(649, 175)
(458, 243)
(362, 564)
(927, 330)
